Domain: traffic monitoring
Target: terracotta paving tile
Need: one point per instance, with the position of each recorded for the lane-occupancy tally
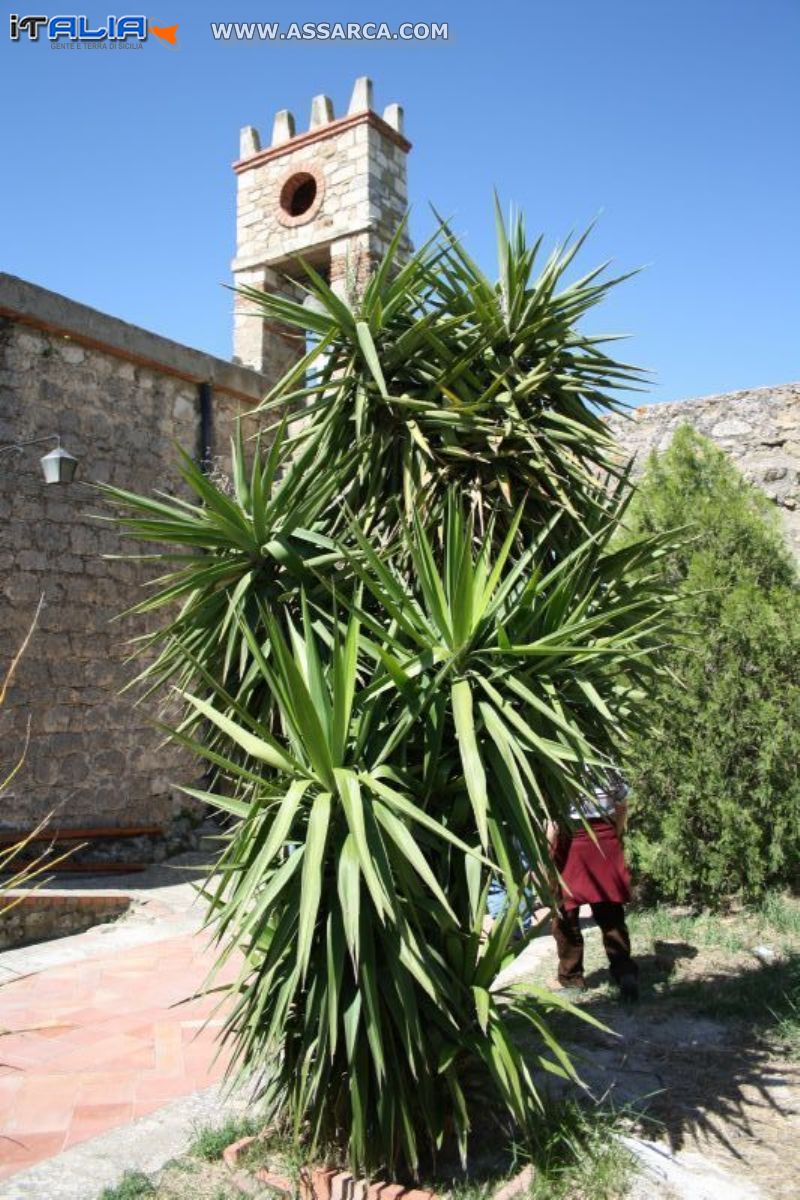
(207, 1072)
(169, 1049)
(53, 1031)
(159, 1087)
(18, 1151)
(43, 1119)
(90, 1119)
(43, 1103)
(8, 1097)
(18, 1056)
(145, 1108)
(140, 1061)
(100, 1043)
(117, 1048)
(107, 1087)
(10, 1083)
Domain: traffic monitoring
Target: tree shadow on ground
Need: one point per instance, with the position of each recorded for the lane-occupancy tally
(699, 1059)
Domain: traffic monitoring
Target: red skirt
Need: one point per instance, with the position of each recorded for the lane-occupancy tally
(590, 871)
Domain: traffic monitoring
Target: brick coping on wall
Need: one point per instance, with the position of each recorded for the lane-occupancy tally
(318, 134)
(29, 304)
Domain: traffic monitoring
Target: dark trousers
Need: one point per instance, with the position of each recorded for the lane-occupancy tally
(610, 918)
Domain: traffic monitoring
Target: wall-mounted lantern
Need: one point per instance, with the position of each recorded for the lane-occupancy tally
(58, 465)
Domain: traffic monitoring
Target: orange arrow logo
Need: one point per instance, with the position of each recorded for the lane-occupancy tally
(167, 33)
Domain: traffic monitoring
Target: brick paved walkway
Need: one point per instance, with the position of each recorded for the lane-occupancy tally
(91, 1045)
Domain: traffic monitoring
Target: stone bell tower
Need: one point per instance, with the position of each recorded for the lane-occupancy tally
(333, 194)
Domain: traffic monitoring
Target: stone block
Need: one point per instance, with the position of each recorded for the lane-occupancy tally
(282, 127)
(184, 407)
(361, 99)
(321, 111)
(393, 115)
(71, 353)
(30, 342)
(249, 141)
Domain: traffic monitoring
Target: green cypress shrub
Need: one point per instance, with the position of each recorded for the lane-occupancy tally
(716, 782)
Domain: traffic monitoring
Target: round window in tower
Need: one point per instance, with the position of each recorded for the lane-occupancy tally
(300, 197)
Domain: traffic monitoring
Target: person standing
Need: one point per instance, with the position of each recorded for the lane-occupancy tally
(592, 870)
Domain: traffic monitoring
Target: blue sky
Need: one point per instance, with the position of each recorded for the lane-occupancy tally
(676, 122)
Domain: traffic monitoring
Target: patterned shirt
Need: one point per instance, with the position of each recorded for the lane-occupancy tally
(603, 799)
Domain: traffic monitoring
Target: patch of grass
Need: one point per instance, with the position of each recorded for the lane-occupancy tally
(781, 913)
(279, 1153)
(185, 1166)
(579, 1155)
(710, 930)
(776, 921)
(705, 964)
(787, 1022)
(208, 1181)
(475, 1189)
(212, 1140)
(134, 1185)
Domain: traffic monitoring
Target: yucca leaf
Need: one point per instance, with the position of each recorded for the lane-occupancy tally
(371, 355)
(474, 774)
(350, 794)
(405, 843)
(263, 748)
(349, 890)
(316, 837)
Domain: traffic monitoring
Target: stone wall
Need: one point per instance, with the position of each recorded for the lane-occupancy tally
(120, 398)
(759, 429)
(38, 916)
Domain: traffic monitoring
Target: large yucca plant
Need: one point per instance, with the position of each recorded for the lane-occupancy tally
(407, 644)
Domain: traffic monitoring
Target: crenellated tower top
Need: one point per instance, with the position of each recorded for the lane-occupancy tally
(334, 194)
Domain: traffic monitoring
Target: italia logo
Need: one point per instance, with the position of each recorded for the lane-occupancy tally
(82, 29)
